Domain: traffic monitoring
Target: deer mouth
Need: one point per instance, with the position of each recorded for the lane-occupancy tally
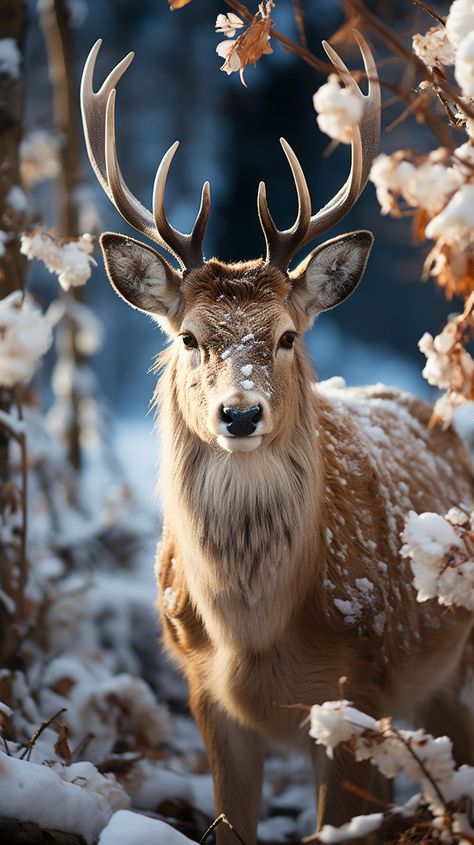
(230, 443)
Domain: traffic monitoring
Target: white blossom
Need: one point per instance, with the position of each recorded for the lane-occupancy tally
(225, 49)
(228, 24)
(25, 336)
(460, 21)
(430, 186)
(391, 178)
(71, 261)
(39, 157)
(464, 65)
(441, 563)
(337, 721)
(10, 58)
(457, 218)
(339, 109)
(434, 48)
(448, 364)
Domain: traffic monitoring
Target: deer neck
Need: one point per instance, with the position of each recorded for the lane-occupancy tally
(246, 524)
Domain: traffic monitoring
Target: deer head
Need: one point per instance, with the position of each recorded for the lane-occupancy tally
(236, 328)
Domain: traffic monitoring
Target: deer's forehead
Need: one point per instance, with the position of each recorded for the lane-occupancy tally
(226, 323)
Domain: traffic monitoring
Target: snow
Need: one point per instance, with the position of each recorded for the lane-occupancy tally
(71, 807)
(334, 722)
(246, 370)
(457, 218)
(24, 337)
(71, 260)
(10, 58)
(460, 21)
(247, 384)
(434, 48)
(39, 157)
(127, 828)
(464, 65)
(358, 826)
(441, 563)
(339, 109)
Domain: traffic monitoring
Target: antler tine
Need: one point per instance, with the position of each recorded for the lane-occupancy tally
(189, 245)
(98, 114)
(281, 244)
(364, 147)
(96, 130)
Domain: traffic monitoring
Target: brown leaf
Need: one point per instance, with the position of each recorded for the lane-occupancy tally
(177, 4)
(254, 43)
(61, 746)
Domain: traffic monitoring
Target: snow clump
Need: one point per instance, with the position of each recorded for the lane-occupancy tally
(71, 260)
(25, 336)
(339, 110)
(10, 58)
(442, 557)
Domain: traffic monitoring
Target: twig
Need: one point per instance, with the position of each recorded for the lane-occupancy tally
(24, 496)
(222, 819)
(366, 796)
(299, 20)
(289, 44)
(430, 11)
(34, 739)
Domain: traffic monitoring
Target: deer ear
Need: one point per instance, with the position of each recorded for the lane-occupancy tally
(330, 273)
(142, 277)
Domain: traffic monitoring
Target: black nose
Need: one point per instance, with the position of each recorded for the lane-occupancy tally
(241, 421)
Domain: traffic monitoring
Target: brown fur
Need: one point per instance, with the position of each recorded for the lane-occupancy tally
(262, 543)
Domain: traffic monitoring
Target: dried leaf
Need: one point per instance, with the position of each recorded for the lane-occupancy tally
(61, 746)
(177, 4)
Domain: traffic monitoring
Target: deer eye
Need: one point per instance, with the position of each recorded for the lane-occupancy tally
(287, 340)
(189, 341)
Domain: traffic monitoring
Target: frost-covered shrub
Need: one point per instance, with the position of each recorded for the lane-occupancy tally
(422, 758)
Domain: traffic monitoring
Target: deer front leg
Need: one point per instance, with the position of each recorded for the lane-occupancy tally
(236, 756)
(337, 804)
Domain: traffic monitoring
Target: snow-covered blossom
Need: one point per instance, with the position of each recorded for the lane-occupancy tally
(10, 58)
(448, 364)
(25, 336)
(460, 21)
(430, 186)
(338, 108)
(334, 722)
(442, 558)
(251, 45)
(227, 51)
(228, 24)
(39, 157)
(420, 757)
(434, 48)
(71, 260)
(464, 65)
(457, 218)
(391, 176)
(359, 826)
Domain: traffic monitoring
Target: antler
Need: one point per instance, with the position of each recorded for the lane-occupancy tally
(282, 245)
(98, 116)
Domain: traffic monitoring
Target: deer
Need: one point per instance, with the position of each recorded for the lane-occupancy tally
(283, 498)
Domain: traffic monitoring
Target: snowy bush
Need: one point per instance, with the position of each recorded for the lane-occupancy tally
(420, 757)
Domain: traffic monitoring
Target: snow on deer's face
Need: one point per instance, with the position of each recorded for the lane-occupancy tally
(234, 352)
